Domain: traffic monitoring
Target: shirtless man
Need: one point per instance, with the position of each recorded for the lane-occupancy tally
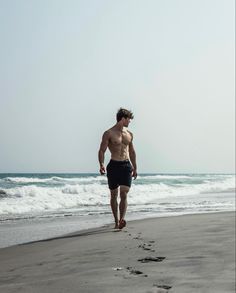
(119, 170)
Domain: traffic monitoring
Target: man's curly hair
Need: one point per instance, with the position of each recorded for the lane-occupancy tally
(124, 113)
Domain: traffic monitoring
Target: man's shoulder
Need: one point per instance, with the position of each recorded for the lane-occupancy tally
(108, 132)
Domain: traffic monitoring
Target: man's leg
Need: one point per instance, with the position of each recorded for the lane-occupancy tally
(123, 201)
(114, 205)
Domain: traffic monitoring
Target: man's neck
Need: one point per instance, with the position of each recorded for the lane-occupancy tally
(119, 126)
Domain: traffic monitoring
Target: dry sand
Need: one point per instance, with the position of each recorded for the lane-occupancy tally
(193, 253)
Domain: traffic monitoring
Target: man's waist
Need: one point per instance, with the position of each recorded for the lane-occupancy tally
(119, 161)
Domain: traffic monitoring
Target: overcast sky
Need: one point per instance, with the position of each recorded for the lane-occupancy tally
(66, 66)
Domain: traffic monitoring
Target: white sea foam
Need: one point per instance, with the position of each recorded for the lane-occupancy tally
(54, 179)
(172, 177)
(91, 194)
(26, 180)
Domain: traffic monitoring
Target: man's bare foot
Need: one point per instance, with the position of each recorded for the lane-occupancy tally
(122, 224)
(116, 226)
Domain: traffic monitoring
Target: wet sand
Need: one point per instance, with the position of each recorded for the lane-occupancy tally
(191, 253)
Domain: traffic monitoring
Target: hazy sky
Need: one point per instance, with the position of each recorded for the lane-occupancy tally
(66, 66)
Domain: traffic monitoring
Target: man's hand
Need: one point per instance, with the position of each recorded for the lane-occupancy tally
(102, 170)
(134, 173)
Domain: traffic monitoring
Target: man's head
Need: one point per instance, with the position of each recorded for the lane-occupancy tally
(125, 116)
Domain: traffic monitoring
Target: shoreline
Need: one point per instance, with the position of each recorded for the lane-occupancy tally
(193, 253)
(23, 230)
(110, 225)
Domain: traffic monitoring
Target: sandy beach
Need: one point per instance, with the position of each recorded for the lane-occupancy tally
(191, 253)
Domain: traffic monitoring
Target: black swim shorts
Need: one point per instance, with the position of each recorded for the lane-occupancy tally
(119, 173)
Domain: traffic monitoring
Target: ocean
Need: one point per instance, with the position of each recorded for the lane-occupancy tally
(37, 206)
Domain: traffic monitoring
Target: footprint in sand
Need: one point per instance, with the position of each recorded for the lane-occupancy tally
(158, 290)
(162, 288)
(167, 287)
(144, 247)
(138, 238)
(130, 270)
(151, 259)
(133, 271)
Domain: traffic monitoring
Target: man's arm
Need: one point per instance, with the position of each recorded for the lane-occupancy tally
(102, 150)
(132, 155)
